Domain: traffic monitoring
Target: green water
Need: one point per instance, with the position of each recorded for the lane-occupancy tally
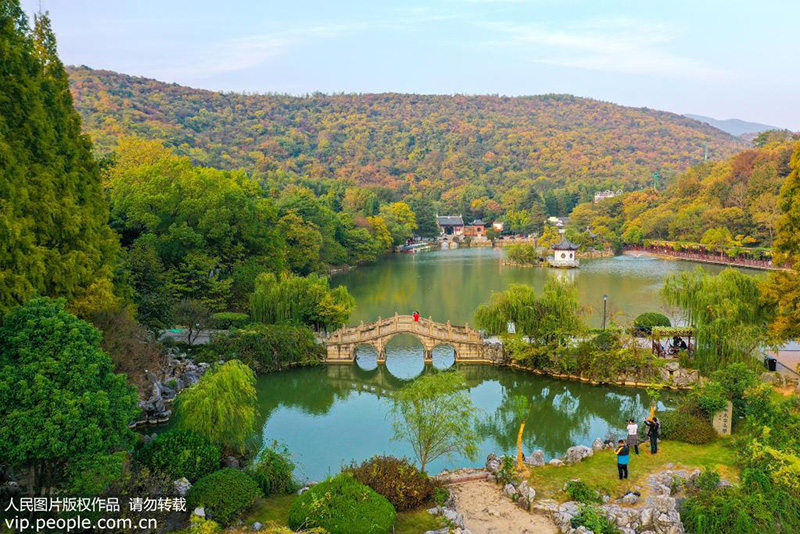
(332, 415)
(450, 284)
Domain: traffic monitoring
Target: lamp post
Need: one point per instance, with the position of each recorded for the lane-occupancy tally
(605, 301)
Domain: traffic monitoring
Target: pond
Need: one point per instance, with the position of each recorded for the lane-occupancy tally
(450, 284)
(329, 416)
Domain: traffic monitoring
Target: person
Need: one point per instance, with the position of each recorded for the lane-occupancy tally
(653, 431)
(633, 435)
(623, 455)
(416, 316)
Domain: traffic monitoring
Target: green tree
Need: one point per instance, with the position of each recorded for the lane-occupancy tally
(290, 299)
(400, 221)
(150, 286)
(221, 406)
(60, 399)
(425, 215)
(194, 316)
(717, 238)
(435, 414)
(54, 236)
(553, 316)
(303, 243)
(726, 309)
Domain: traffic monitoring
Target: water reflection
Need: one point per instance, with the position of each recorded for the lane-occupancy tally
(329, 416)
(405, 356)
(444, 356)
(450, 284)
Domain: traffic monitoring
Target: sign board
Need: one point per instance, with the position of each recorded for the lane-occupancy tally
(511, 327)
(723, 420)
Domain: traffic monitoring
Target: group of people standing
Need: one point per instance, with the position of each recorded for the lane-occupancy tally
(623, 452)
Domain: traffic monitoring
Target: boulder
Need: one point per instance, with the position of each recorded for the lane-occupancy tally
(536, 459)
(454, 517)
(493, 464)
(672, 366)
(231, 461)
(555, 462)
(510, 490)
(199, 512)
(255, 527)
(182, 486)
(577, 454)
(630, 499)
(597, 445)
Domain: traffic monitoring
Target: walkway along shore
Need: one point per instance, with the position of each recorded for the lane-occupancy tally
(704, 258)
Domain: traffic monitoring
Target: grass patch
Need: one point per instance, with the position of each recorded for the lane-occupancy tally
(274, 511)
(600, 471)
(417, 521)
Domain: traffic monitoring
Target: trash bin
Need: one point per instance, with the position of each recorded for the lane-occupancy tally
(770, 363)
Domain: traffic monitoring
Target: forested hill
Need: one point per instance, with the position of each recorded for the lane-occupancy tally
(400, 140)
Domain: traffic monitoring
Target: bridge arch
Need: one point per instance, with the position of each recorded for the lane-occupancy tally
(405, 355)
(467, 343)
(366, 356)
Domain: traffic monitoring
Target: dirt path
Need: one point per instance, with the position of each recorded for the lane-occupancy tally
(487, 511)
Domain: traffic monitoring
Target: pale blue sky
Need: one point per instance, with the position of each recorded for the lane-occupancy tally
(719, 58)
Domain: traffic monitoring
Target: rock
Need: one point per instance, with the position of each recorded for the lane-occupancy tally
(670, 466)
(597, 445)
(536, 459)
(672, 366)
(231, 461)
(630, 499)
(434, 511)
(493, 464)
(256, 526)
(303, 490)
(199, 512)
(440, 531)
(525, 495)
(182, 485)
(555, 462)
(577, 453)
(510, 490)
(771, 378)
(454, 517)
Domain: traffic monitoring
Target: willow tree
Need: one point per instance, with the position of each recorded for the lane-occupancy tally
(221, 406)
(552, 316)
(290, 299)
(436, 416)
(727, 311)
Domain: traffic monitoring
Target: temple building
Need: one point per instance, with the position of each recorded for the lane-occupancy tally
(564, 254)
(450, 224)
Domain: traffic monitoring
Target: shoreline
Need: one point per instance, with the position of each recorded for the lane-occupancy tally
(665, 256)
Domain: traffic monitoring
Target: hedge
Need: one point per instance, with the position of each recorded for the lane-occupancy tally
(224, 494)
(181, 453)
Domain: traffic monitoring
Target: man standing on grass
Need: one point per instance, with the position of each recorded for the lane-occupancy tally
(623, 455)
(653, 432)
(633, 435)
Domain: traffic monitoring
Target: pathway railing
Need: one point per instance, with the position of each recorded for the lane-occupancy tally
(405, 324)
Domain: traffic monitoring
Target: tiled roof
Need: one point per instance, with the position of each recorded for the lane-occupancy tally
(449, 220)
(565, 244)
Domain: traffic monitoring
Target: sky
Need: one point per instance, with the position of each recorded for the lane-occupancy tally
(723, 59)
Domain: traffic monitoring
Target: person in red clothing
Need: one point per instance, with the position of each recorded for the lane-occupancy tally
(416, 316)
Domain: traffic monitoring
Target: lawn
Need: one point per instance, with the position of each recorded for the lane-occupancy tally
(600, 471)
(274, 511)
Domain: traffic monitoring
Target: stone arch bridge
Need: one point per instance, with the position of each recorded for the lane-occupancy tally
(466, 342)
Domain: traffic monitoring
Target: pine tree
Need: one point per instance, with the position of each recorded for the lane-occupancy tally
(54, 234)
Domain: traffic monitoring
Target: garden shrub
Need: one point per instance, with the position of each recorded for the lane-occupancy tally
(225, 494)
(267, 348)
(396, 479)
(592, 518)
(227, 320)
(710, 397)
(686, 427)
(708, 480)
(181, 453)
(272, 470)
(343, 505)
(508, 470)
(643, 325)
(580, 491)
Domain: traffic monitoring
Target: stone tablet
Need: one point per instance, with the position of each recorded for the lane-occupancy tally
(723, 420)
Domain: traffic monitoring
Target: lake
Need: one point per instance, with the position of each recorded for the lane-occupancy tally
(450, 284)
(331, 415)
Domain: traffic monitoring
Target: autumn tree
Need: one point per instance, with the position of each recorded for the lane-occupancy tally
(400, 221)
(782, 290)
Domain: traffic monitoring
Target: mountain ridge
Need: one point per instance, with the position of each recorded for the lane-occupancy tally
(402, 141)
(736, 127)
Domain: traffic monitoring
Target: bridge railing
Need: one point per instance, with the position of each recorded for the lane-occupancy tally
(405, 323)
